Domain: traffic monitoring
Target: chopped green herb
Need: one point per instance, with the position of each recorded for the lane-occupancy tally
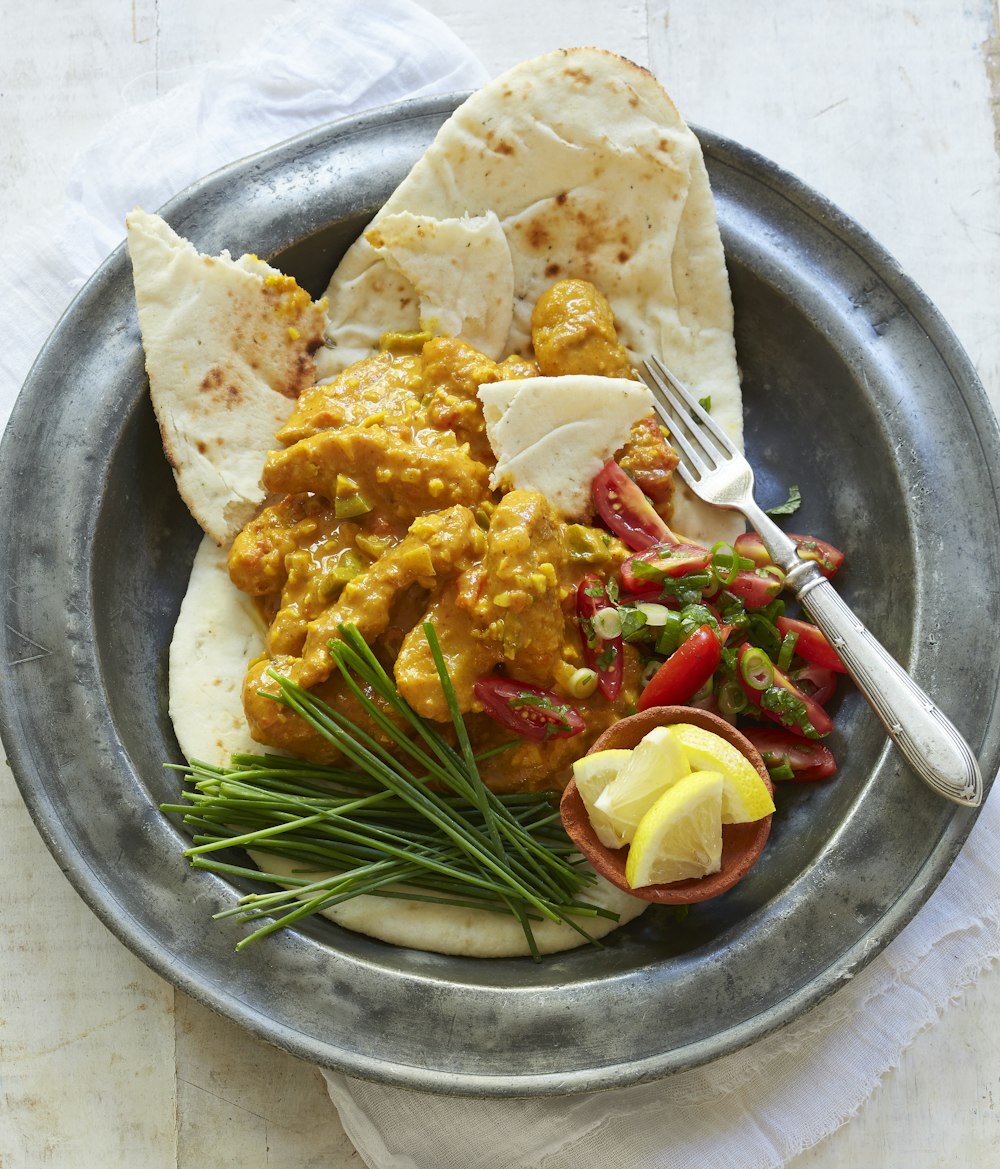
(408, 817)
(791, 504)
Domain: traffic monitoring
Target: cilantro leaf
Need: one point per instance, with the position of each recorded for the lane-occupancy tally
(791, 504)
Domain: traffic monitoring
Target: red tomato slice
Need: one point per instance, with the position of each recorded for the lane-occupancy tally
(665, 560)
(684, 673)
(783, 702)
(828, 558)
(626, 511)
(816, 681)
(811, 644)
(808, 761)
(751, 546)
(604, 655)
(755, 588)
(528, 710)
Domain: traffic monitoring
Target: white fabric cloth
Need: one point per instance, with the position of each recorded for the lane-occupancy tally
(756, 1108)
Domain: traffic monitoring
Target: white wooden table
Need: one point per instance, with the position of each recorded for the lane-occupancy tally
(890, 110)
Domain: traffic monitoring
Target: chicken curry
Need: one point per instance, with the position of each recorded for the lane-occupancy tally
(384, 517)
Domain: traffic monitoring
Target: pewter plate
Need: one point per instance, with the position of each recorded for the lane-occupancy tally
(854, 389)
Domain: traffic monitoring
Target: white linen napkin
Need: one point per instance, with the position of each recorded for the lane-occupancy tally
(755, 1108)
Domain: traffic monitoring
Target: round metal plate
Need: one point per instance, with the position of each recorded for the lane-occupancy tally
(854, 389)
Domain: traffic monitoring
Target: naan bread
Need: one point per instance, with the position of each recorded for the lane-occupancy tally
(553, 434)
(217, 632)
(229, 345)
(593, 174)
(460, 270)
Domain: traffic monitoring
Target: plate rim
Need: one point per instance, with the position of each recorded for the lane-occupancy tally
(100, 900)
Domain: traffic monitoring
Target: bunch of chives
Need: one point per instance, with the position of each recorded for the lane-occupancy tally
(409, 817)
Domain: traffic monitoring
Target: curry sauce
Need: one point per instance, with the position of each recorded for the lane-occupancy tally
(385, 518)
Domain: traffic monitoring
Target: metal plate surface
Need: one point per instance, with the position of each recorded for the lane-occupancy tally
(854, 389)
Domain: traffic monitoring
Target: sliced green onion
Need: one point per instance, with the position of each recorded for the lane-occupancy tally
(656, 615)
(607, 623)
(725, 563)
(649, 670)
(783, 770)
(731, 698)
(787, 650)
(756, 669)
(775, 571)
(582, 683)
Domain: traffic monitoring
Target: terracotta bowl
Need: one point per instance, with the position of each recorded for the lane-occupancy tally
(742, 844)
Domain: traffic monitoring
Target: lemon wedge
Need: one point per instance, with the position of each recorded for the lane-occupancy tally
(656, 764)
(744, 794)
(681, 834)
(593, 773)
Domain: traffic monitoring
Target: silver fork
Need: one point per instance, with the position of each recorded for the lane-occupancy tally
(718, 473)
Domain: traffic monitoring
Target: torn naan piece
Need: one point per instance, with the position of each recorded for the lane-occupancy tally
(461, 271)
(553, 434)
(229, 345)
(592, 173)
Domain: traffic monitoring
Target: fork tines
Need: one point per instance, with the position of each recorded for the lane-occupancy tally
(688, 422)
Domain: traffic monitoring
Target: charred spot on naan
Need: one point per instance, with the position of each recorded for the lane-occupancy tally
(222, 389)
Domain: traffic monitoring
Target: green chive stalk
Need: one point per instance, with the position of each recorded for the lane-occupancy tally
(410, 818)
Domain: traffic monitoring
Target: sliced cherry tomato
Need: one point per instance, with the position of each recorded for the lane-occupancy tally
(783, 702)
(782, 752)
(751, 546)
(603, 655)
(528, 710)
(755, 587)
(811, 643)
(664, 560)
(828, 558)
(816, 681)
(684, 673)
(626, 511)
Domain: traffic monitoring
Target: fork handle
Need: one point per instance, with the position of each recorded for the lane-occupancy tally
(928, 741)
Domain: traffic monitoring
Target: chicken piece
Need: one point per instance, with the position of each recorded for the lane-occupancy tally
(436, 547)
(453, 372)
(257, 557)
(650, 460)
(387, 386)
(470, 648)
(317, 573)
(299, 556)
(516, 367)
(573, 331)
(525, 562)
(394, 476)
(275, 725)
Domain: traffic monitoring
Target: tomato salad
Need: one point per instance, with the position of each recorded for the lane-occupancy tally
(711, 626)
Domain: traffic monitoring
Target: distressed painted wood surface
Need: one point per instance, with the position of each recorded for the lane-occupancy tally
(888, 109)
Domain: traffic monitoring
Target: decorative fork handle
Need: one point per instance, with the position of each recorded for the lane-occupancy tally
(925, 737)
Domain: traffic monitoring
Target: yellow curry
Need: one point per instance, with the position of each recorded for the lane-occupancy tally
(387, 520)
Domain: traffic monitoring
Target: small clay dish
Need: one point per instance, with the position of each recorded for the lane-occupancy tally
(742, 844)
